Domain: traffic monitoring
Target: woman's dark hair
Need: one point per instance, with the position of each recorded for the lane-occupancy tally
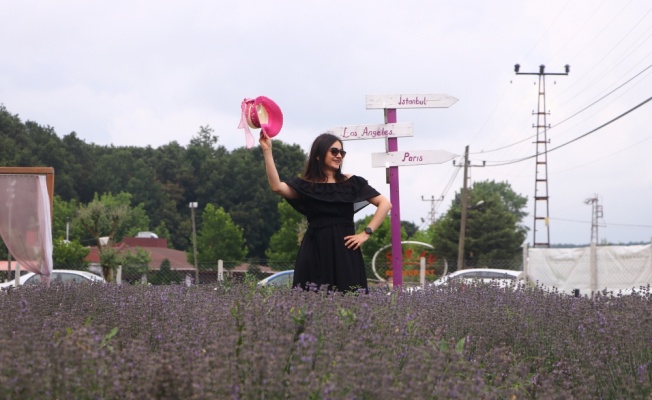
(314, 170)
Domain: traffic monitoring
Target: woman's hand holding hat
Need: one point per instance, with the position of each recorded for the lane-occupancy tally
(262, 113)
(265, 141)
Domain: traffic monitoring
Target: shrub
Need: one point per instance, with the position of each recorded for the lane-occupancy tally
(241, 341)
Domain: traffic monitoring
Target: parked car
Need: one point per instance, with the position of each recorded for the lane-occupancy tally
(283, 278)
(57, 276)
(503, 277)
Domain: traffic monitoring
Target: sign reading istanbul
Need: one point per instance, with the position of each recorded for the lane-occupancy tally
(437, 100)
(410, 157)
(357, 132)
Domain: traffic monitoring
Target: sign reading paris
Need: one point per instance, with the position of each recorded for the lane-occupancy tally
(410, 157)
(437, 100)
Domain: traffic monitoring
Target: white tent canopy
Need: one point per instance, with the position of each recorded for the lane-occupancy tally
(611, 267)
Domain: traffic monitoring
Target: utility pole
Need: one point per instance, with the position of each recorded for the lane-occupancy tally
(465, 208)
(541, 206)
(431, 213)
(193, 206)
(596, 214)
(460, 248)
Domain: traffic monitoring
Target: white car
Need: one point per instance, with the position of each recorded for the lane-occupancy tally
(503, 277)
(283, 278)
(58, 275)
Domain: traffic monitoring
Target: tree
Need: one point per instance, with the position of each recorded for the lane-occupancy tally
(69, 255)
(494, 229)
(218, 238)
(161, 181)
(425, 236)
(165, 275)
(410, 228)
(63, 214)
(137, 262)
(111, 216)
(284, 244)
(110, 260)
(511, 201)
(249, 200)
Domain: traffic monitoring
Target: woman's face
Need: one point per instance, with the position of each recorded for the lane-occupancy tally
(334, 156)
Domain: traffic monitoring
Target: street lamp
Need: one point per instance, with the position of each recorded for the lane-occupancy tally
(192, 206)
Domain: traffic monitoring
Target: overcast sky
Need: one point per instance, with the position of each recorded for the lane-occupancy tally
(145, 73)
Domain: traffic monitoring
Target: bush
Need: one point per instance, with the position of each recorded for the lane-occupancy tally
(241, 341)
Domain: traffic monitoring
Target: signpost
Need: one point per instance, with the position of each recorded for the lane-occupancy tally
(382, 131)
(392, 158)
(412, 157)
(410, 101)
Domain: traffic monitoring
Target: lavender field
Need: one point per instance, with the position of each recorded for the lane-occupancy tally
(238, 341)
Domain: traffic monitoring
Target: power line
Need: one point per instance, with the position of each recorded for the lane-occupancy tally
(573, 115)
(573, 140)
(607, 156)
(610, 223)
(601, 98)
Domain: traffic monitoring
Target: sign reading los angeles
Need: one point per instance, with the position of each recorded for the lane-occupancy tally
(361, 132)
(437, 100)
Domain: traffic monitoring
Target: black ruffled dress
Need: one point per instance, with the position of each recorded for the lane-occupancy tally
(323, 258)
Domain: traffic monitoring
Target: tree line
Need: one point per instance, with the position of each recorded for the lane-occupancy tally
(161, 181)
(152, 189)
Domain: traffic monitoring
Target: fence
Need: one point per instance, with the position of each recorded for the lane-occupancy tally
(378, 273)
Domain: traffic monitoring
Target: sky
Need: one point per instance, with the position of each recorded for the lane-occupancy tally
(146, 73)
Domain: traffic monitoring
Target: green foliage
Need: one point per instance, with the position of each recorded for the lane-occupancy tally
(137, 262)
(111, 216)
(512, 202)
(284, 244)
(425, 236)
(493, 229)
(133, 263)
(218, 238)
(110, 260)
(164, 275)
(380, 238)
(4, 252)
(63, 214)
(160, 182)
(69, 255)
(409, 227)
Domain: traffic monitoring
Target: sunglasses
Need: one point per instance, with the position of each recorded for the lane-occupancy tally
(335, 152)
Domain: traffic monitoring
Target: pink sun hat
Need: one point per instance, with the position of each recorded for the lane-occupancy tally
(262, 113)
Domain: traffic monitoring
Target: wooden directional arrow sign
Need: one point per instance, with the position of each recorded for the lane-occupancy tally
(411, 157)
(382, 131)
(436, 100)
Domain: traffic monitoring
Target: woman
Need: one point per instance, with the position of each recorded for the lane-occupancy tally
(330, 250)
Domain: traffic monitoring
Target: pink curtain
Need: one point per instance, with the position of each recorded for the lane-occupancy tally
(25, 222)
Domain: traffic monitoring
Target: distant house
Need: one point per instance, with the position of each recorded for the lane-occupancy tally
(157, 249)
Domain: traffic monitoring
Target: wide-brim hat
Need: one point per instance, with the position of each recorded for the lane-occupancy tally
(262, 113)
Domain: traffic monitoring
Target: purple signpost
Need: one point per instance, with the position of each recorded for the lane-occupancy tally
(395, 199)
(392, 159)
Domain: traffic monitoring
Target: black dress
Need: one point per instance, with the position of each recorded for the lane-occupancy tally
(323, 258)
